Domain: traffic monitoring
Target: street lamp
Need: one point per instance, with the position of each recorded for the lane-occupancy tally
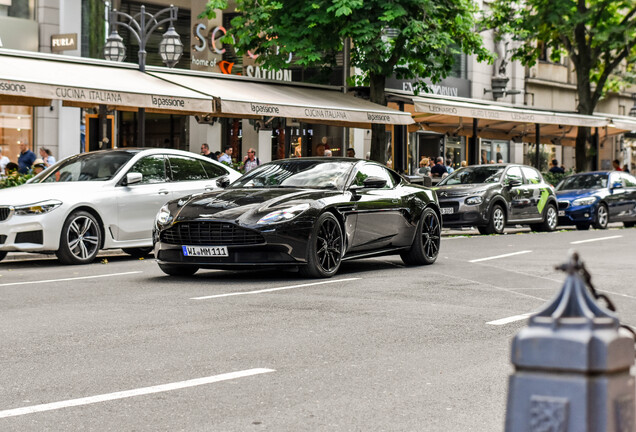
(141, 26)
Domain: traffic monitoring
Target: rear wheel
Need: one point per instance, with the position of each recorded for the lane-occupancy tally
(80, 240)
(496, 222)
(602, 217)
(178, 270)
(325, 248)
(138, 252)
(425, 247)
(583, 226)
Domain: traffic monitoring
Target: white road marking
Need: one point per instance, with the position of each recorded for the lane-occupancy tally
(500, 256)
(272, 289)
(132, 393)
(509, 320)
(69, 279)
(596, 239)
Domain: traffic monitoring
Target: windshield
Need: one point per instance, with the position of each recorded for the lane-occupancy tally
(478, 174)
(313, 174)
(86, 167)
(584, 181)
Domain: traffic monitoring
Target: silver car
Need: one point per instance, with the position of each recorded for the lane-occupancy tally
(102, 200)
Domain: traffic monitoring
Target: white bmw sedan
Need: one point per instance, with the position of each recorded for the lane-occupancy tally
(102, 200)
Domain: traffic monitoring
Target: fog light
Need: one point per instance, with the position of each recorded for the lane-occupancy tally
(586, 215)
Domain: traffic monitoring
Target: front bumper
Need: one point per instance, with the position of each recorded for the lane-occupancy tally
(31, 233)
(456, 213)
(578, 214)
(282, 245)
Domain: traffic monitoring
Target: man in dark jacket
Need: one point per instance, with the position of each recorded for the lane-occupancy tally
(439, 169)
(25, 160)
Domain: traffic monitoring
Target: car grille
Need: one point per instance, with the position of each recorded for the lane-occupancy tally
(563, 205)
(447, 194)
(4, 213)
(209, 234)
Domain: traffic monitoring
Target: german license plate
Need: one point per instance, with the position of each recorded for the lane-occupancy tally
(561, 212)
(205, 251)
(447, 210)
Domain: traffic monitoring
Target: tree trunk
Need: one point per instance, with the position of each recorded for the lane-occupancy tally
(378, 131)
(582, 162)
(585, 106)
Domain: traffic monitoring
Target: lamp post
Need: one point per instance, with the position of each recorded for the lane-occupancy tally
(141, 26)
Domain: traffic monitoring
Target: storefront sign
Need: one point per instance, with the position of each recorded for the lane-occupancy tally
(64, 42)
(455, 87)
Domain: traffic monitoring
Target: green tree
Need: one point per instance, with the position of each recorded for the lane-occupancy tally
(598, 36)
(408, 39)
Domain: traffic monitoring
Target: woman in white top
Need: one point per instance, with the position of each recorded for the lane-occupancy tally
(47, 157)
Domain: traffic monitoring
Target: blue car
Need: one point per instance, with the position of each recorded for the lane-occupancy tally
(596, 199)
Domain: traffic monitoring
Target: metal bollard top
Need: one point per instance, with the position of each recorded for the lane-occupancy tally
(573, 332)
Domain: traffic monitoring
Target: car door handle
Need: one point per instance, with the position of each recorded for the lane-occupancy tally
(209, 188)
(163, 192)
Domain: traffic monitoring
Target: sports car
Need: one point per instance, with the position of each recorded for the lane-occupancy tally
(309, 213)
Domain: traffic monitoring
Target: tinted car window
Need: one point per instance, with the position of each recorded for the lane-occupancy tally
(532, 175)
(308, 173)
(514, 173)
(478, 174)
(584, 181)
(152, 168)
(213, 170)
(628, 180)
(186, 169)
(372, 170)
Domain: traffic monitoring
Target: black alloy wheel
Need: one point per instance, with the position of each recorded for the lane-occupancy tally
(178, 270)
(602, 217)
(325, 248)
(80, 240)
(426, 243)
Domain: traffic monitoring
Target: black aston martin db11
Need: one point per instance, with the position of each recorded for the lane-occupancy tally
(311, 213)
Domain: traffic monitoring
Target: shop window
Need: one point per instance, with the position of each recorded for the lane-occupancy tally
(18, 8)
(16, 127)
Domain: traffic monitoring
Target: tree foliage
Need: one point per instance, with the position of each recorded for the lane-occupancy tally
(408, 39)
(598, 36)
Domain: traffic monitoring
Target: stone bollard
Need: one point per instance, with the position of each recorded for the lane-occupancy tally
(572, 366)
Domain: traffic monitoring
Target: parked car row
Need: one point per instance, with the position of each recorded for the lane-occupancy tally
(490, 197)
(310, 213)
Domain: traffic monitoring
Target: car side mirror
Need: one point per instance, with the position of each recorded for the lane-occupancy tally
(513, 182)
(133, 178)
(374, 182)
(223, 182)
(617, 185)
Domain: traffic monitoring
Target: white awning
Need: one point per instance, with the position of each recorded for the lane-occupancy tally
(454, 116)
(36, 79)
(239, 97)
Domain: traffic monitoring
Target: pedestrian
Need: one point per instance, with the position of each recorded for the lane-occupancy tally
(3, 163)
(449, 166)
(424, 170)
(617, 165)
(25, 159)
(439, 169)
(250, 161)
(351, 152)
(217, 155)
(205, 151)
(38, 166)
(626, 168)
(327, 153)
(11, 168)
(226, 156)
(47, 157)
(556, 169)
(463, 164)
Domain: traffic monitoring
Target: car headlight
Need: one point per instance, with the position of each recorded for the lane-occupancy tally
(474, 200)
(283, 215)
(164, 217)
(584, 201)
(37, 208)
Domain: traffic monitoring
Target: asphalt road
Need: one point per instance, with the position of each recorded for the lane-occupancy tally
(118, 346)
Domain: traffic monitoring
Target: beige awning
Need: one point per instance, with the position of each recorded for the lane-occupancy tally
(455, 116)
(241, 97)
(36, 79)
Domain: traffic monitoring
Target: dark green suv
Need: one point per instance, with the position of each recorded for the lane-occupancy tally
(493, 196)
